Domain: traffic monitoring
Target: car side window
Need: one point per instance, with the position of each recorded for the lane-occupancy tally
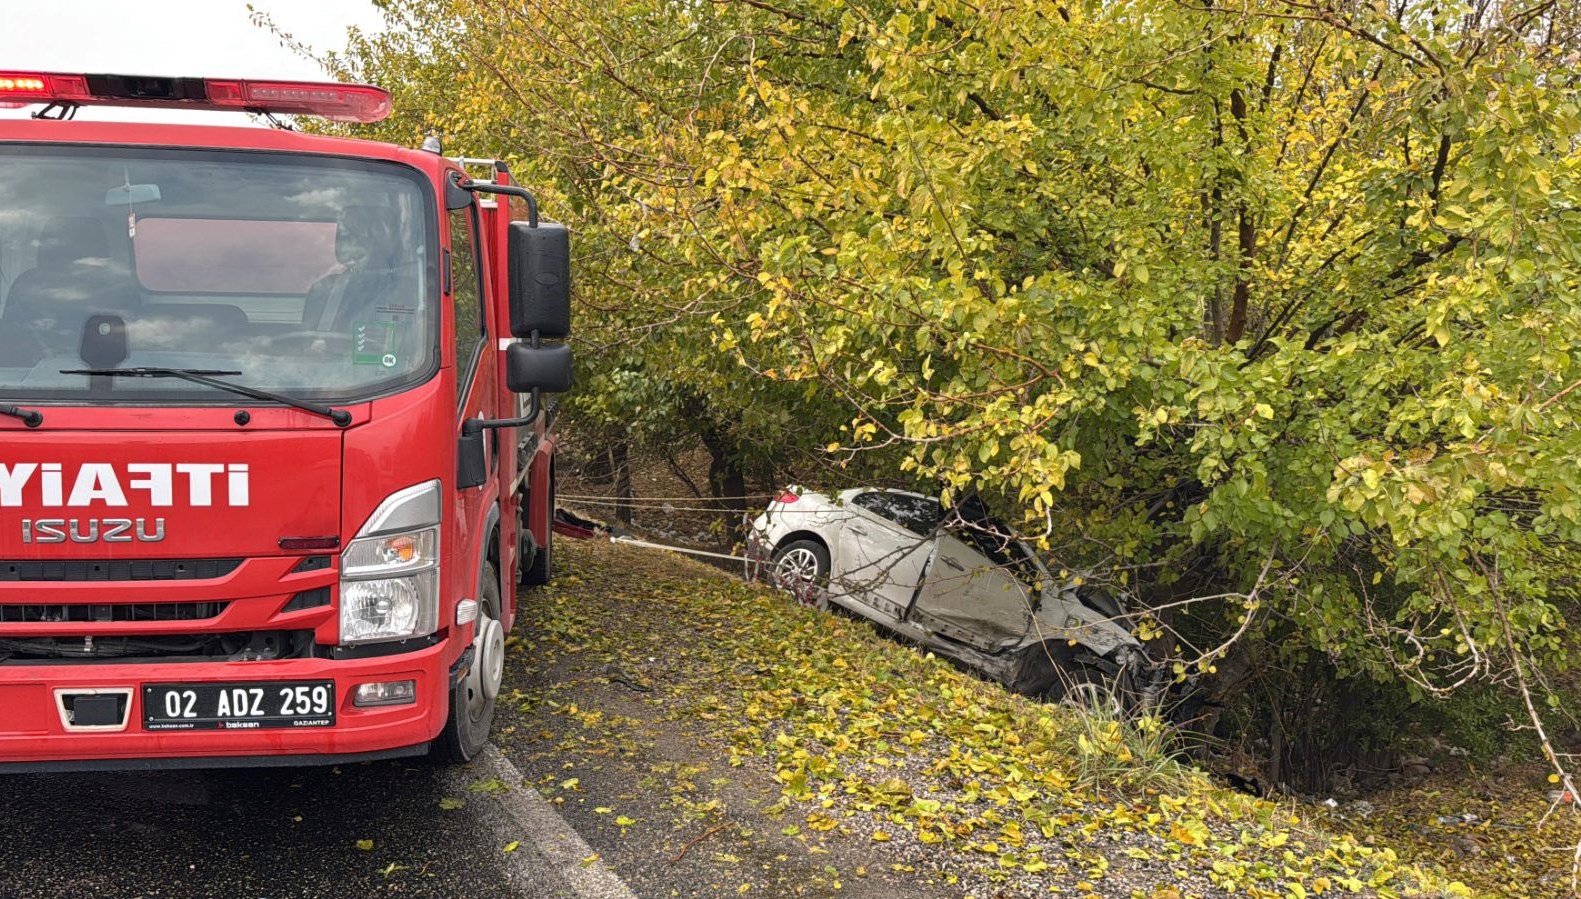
(917, 514)
(465, 290)
(997, 542)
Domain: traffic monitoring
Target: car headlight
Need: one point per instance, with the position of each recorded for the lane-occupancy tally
(389, 574)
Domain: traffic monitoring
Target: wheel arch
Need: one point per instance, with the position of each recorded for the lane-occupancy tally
(793, 536)
(491, 555)
(1041, 664)
(541, 473)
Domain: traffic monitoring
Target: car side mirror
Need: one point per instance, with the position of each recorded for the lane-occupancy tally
(540, 280)
(546, 368)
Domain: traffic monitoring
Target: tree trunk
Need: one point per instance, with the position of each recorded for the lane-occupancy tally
(1214, 314)
(1276, 740)
(599, 469)
(1246, 234)
(726, 480)
(619, 461)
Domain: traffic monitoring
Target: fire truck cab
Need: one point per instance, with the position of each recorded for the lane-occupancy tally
(274, 437)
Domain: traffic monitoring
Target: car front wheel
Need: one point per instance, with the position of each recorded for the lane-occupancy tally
(1089, 690)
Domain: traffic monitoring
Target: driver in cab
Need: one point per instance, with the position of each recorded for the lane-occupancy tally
(359, 302)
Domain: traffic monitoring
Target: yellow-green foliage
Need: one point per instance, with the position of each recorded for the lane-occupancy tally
(1313, 275)
(1287, 291)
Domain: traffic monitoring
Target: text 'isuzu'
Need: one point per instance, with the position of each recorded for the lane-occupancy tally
(275, 447)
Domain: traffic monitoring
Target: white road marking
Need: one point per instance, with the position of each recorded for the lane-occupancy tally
(546, 832)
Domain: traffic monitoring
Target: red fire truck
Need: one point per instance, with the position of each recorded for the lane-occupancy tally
(274, 446)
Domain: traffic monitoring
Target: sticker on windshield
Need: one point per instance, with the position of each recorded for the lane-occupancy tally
(373, 343)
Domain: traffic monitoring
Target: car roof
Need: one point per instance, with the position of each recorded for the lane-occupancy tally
(854, 491)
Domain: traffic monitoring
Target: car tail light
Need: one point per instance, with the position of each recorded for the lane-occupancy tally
(787, 497)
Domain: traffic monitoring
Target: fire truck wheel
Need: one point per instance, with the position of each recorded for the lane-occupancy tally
(472, 702)
(541, 571)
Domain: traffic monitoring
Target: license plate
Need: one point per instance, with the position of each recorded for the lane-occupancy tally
(243, 706)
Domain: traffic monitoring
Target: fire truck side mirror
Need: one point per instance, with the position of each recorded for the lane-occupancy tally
(546, 368)
(540, 280)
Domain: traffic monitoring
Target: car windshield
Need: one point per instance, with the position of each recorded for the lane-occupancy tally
(307, 276)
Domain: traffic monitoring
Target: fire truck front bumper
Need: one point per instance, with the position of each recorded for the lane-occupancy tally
(146, 716)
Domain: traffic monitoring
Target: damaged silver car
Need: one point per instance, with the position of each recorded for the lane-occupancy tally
(957, 583)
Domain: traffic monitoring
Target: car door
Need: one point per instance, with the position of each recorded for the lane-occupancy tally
(885, 544)
(966, 598)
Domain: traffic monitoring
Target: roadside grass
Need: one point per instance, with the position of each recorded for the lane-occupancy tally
(870, 740)
(1124, 754)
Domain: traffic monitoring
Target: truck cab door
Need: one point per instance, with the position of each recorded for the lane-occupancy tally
(965, 598)
(464, 273)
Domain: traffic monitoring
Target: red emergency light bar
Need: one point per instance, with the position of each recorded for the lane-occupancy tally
(331, 100)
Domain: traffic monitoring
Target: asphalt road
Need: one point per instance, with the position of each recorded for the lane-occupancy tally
(270, 833)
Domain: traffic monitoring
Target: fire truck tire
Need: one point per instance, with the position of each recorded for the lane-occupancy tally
(466, 731)
(541, 571)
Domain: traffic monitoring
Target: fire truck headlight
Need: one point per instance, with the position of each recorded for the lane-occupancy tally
(391, 608)
(389, 575)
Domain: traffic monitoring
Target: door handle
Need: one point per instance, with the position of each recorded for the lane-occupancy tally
(856, 530)
(951, 563)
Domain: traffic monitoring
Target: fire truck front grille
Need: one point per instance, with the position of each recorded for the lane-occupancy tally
(247, 646)
(115, 569)
(36, 613)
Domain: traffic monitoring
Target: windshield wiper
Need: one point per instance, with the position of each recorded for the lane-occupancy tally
(30, 417)
(201, 376)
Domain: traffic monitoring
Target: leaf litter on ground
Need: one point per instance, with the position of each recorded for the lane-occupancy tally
(953, 781)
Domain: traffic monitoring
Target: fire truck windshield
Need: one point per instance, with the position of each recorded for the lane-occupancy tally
(312, 277)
